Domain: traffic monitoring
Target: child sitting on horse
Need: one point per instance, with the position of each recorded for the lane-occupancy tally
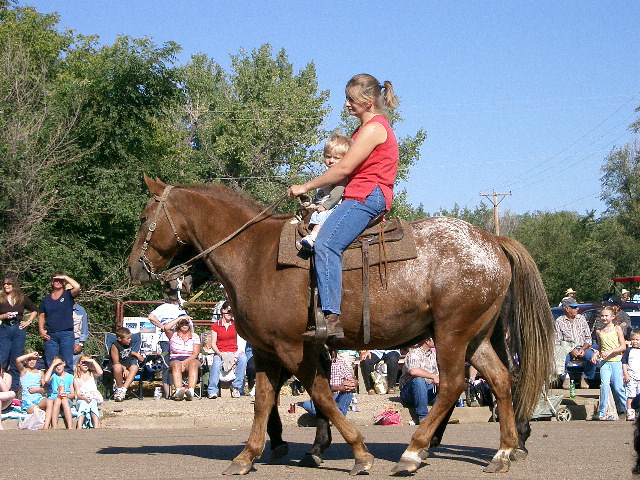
(328, 196)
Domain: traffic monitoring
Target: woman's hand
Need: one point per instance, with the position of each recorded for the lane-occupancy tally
(296, 190)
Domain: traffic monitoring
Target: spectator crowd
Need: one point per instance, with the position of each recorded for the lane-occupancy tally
(61, 382)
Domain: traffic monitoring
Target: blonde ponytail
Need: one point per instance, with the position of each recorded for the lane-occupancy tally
(390, 98)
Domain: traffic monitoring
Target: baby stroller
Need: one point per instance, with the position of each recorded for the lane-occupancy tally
(550, 406)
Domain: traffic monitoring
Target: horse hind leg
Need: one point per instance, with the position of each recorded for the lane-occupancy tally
(486, 360)
(266, 379)
(452, 384)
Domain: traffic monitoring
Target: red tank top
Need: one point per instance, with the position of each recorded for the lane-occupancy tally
(379, 168)
(226, 341)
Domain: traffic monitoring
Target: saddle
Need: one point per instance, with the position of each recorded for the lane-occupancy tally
(393, 246)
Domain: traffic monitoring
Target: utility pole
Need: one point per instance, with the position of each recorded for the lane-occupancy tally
(496, 202)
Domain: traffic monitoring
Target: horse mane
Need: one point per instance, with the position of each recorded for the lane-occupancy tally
(238, 198)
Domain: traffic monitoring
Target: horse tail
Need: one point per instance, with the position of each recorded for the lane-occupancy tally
(531, 328)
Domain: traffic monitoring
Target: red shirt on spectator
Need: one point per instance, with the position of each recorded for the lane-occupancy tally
(227, 336)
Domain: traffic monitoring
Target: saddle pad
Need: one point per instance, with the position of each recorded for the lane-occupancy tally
(403, 249)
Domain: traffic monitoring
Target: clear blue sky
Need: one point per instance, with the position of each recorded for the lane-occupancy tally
(525, 96)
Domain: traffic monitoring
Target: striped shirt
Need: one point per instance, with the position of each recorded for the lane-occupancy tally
(575, 331)
(418, 358)
(180, 347)
(340, 371)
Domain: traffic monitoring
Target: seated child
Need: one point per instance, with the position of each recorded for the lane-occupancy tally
(6, 394)
(87, 395)
(631, 371)
(329, 196)
(124, 361)
(61, 392)
(31, 382)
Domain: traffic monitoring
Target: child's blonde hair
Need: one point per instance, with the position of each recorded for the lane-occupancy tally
(83, 358)
(364, 88)
(337, 144)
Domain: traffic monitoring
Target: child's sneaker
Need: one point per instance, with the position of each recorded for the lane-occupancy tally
(235, 393)
(631, 414)
(189, 394)
(179, 395)
(307, 242)
(120, 394)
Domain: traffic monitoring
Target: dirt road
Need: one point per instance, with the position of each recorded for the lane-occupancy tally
(563, 450)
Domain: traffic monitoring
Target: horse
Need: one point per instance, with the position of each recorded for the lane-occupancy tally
(480, 296)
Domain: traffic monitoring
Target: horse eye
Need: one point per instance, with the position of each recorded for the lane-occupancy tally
(143, 220)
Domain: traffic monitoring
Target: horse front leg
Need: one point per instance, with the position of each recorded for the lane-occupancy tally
(267, 378)
(486, 360)
(315, 381)
(279, 448)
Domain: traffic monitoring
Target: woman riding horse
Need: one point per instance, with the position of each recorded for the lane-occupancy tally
(370, 165)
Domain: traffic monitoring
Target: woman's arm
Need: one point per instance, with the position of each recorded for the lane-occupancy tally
(369, 137)
(168, 328)
(195, 353)
(29, 321)
(75, 286)
(214, 342)
(41, 329)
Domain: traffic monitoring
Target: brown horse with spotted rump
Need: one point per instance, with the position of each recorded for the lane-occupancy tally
(481, 295)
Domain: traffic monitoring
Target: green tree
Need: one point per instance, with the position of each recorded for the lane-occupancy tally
(621, 186)
(255, 127)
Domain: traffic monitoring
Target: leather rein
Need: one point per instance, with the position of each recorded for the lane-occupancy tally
(181, 268)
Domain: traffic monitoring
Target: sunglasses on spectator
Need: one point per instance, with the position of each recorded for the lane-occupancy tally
(8, 283)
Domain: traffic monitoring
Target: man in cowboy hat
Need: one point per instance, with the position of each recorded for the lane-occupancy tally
(569, 295)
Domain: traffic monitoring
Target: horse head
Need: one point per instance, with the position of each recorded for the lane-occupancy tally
(161, 236)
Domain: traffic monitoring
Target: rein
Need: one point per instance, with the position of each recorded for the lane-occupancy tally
(179, 269)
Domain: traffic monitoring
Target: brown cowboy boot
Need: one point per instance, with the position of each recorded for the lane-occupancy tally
(334, 327)
(331, 330)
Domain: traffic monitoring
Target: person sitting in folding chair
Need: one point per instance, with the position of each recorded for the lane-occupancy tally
(124, 354)
(184, 348)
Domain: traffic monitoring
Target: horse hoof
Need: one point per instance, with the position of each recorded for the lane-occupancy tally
(279, 452)
(423, 454)
(238, 468)
(363, 465)
(311, 460)
(405, 466)
(518, 454)
(497, 466)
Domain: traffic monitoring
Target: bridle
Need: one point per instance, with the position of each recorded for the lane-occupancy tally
(162, 207)
(180, 269)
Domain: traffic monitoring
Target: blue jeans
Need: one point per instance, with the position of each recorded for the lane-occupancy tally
(418, 394)
(214, 374)
(348, 220)
(588, 367)
(343, 399)
(611, 375)
(164, 350)
(61, 343)
(12, 340)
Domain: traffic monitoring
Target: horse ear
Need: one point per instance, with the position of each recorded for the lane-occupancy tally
(153, 186)
(160, 182)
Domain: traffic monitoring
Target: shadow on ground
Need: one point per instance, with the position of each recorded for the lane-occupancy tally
(382, 451)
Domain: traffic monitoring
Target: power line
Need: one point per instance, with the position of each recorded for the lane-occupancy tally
(572, 144)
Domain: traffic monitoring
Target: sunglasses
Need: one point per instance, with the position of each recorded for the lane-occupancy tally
(8, 283)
